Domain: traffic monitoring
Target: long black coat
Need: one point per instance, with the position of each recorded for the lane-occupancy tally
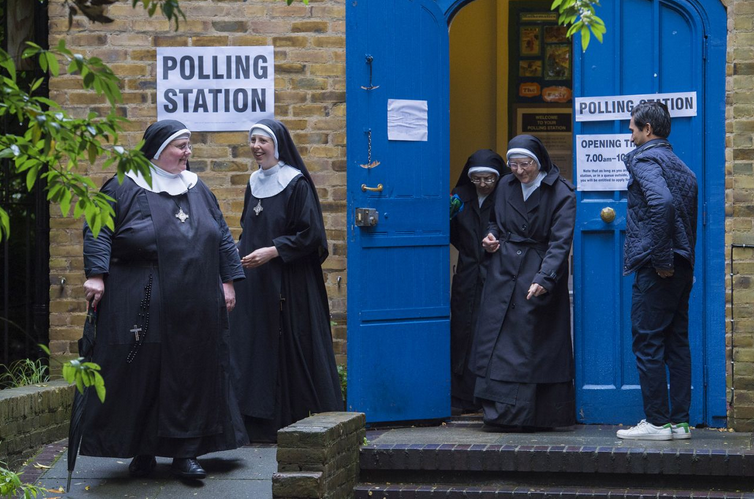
(520, 340)
(467, 229)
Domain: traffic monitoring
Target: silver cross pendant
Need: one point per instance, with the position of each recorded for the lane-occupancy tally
(136, 330)
(181, 215)
(258, 208)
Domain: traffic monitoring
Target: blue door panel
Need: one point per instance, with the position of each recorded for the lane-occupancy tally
(399, 284)
(412, 391)
(658, 48)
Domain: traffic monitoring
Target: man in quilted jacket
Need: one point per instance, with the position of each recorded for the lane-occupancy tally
(659, 249)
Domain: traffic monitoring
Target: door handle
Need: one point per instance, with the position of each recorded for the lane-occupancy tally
(607, 215)
(364, 188)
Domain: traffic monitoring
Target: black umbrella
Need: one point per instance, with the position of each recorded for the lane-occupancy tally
(76, 430)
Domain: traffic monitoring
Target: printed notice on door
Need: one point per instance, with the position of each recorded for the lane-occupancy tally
(599, 162)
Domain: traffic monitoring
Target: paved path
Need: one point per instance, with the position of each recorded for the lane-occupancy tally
(247, 472)
(242, 473)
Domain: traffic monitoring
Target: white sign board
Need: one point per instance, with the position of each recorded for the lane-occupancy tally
(215, 89)
(599, 162)
(407, 120)
(618, 107)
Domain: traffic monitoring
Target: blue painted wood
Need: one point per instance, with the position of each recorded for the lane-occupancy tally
(399, 289)
(652, 46)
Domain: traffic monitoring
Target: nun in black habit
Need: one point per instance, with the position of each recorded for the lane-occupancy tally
(476, 190)
(523, 354)
(162, 282)
(282, 353)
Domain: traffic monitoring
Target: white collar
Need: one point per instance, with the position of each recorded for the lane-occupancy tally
(527, 189)
(174, 184)
(270, 182)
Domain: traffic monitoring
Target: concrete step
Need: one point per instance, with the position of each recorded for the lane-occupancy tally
(558, 459)
(464, 459)
(450, 491)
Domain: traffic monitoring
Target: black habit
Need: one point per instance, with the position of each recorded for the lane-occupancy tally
(467, 229)
(523, 352)
(282, 354)
(169, 392)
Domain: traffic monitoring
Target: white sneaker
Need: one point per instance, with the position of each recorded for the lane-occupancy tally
(647, 431)
(681, 431)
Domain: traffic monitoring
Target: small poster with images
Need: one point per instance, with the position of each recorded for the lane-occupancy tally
(557, 62)
(530, 41)
(530, 68)
(556, 34)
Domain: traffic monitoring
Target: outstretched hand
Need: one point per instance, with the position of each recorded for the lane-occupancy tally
(259, 257)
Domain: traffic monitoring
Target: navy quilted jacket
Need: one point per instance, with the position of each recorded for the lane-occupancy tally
(662, 207)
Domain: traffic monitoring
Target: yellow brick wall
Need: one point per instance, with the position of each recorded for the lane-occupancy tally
(739, 212)
(310, 99)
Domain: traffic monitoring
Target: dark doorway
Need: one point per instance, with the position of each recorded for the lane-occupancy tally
(24, 256)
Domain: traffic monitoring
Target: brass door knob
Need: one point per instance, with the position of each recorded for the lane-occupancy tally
(607, 215)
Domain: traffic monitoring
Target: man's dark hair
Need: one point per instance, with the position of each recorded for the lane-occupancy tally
(654, 113)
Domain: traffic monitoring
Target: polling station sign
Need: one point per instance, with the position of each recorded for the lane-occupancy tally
(215, 89)
(599, 162)
(618, 107)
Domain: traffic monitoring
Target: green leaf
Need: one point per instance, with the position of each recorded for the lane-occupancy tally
(65, 202)
(584, 38)
(4, 225)
(44, 348)
(80, 382)
(93, 153)
(43, 61)
(31, 177)
(597, 34)
(52, 61)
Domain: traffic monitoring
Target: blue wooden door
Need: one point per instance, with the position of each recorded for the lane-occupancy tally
(398, 279)
(653, 46)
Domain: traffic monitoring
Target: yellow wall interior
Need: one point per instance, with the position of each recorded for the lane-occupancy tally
(478, 81)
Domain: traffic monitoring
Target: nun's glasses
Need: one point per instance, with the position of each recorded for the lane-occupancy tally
(483, 180)
(520, 165)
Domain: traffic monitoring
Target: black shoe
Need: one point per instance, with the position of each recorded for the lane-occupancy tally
(187, 467)
(142, 466)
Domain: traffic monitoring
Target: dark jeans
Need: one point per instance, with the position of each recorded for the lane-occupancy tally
(660, 329)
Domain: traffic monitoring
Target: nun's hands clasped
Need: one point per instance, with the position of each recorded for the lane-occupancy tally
(490, 244)
(259, 257)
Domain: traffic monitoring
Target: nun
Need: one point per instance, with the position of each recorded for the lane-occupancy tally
(523, 357)
(475, 189)
(282, 353)
(162, 282)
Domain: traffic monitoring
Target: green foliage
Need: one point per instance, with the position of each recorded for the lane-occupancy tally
(306, 2)
(84, 375)
(169, 8)
(11, 485)
(343, 377)
(55, 145)
(581, 17)
(23, 372)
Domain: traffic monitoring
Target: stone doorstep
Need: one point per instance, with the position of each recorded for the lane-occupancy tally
(437, 491)
(584, 449)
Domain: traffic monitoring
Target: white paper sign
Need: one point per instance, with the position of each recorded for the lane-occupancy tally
(599, 162)
(216, 88)
(407, 120)
(618, 107)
